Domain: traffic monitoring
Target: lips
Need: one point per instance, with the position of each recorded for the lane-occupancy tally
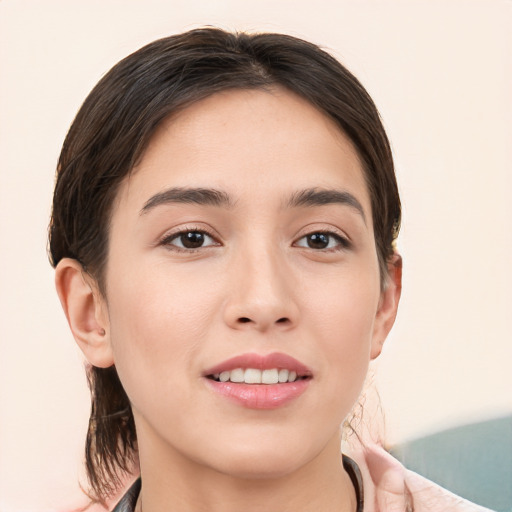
(259, 362)
(259, 382)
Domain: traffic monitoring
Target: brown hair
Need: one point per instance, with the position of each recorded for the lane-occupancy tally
(112, 129)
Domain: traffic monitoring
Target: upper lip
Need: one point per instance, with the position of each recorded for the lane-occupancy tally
(261, 362)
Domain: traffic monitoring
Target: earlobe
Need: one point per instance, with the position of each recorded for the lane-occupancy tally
(388, 305)
(85, 311)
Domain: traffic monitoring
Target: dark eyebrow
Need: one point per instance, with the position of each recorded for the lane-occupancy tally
(319, 197)
(200, 196)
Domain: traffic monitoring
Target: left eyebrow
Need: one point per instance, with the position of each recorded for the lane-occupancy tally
(186, 195)
(320, 197)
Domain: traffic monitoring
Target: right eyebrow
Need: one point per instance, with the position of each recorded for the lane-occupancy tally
(186, 195)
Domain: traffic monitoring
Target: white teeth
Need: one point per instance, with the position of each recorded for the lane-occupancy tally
(237, 375)
(252, 376)
(283, 375)
(256, 376)
(270, 376)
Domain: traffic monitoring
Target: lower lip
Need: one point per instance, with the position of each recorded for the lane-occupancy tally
(260, 396)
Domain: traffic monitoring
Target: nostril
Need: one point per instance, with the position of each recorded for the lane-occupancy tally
(247, 320)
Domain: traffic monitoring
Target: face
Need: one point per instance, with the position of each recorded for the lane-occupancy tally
(242, 248)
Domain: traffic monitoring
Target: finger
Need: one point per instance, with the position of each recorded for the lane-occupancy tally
(391, 495)
(388, 476)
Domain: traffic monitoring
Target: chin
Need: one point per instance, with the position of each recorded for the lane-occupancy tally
(261, 467)
(266, 458)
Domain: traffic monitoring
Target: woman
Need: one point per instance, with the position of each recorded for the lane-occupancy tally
(223, 234)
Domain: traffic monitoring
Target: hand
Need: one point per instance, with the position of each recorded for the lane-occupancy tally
(395, 489)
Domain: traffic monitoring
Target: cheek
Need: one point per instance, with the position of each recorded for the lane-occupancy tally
(344, 308)
(345, 315)
(157, 325)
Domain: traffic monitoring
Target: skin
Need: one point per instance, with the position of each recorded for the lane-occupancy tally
(257, 285)
(395, 489)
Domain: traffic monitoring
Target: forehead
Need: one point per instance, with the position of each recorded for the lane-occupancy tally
(246, 142)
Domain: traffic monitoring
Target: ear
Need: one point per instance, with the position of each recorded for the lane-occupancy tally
(388, 305)
(86, 311)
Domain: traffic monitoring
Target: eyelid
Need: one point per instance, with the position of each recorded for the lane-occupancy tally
(171, 235)
(344, 241)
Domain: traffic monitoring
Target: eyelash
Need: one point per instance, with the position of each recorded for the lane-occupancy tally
(342, 242)
(168, 239)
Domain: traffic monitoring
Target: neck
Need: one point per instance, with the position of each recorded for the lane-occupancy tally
(174, 482)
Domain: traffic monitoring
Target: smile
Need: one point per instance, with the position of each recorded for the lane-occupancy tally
(259, 382)
(256, 376)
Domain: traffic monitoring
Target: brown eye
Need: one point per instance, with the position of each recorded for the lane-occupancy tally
(190, 240)
(323, 240)
(318, 241)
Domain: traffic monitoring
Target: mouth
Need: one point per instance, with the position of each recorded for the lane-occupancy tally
(257, 376)
(259, 382)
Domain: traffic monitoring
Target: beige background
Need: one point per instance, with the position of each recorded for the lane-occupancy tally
(441, 74)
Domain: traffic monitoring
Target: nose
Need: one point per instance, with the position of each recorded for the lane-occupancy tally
(261, 293)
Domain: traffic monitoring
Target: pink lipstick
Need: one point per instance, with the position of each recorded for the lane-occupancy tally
(259, 382)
